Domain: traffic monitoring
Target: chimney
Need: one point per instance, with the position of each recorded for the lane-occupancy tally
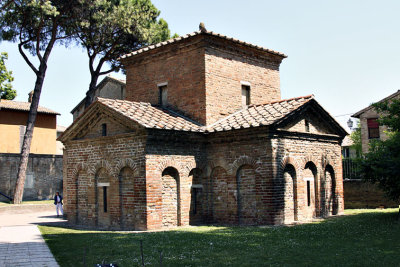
(30, 96)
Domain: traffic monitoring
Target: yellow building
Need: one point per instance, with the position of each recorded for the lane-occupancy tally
(13, 119)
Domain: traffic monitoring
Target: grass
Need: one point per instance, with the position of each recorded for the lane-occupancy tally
(362, 238)
(33, 202)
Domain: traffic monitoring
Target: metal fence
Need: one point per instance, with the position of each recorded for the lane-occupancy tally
(350, 168)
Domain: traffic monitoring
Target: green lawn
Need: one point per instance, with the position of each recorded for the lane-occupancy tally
(361, 238)
(33, 202)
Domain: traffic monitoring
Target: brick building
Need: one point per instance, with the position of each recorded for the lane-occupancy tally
(202, 136)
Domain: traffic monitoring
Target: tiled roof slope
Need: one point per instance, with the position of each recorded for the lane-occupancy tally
(259, 115)
(23, 106)
(159, 118)
(187, 36)
(347, 141)
(150, 116)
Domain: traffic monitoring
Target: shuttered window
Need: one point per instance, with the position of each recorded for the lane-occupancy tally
(373, 128)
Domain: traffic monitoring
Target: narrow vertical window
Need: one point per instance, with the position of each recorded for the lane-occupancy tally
(307, 126)
(245, 95)
(104, 129)
(105, 198)
(163, 95)
(308, 194)
(195, 201)
(373, 128)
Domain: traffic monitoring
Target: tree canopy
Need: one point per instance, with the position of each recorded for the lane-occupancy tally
(35, 25)
(6, 91)
(381, 164)
(356, 138)
(109, 29)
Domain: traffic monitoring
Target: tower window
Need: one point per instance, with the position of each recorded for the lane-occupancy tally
(245, 95)
(163, 95)
(104, 129)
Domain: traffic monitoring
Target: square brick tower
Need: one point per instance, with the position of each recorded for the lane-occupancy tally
(204, 75)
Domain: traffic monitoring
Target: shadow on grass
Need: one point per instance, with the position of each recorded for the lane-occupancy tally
(361, 238)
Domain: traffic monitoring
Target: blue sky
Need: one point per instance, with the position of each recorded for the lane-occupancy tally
(346, 53)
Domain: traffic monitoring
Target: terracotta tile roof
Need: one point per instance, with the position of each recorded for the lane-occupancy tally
(150, 116)
(159, 118)
(259, 115)
(187, 36)
(23, 106)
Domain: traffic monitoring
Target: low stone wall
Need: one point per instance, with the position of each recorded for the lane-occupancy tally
(43, 176)
(361, 195)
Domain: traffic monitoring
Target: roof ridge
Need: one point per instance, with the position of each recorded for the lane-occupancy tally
(24, 106)
(186, 36)
(283, 100)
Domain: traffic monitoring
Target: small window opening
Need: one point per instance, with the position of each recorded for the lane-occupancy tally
(307, 126)
(105, 198)
(308, 194)
(373, 128)
(163, 95)
(195, 200)
(245, 95)
(104, 129)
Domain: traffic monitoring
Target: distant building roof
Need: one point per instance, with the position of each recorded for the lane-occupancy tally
(357, 114)
(205, 32)
(23, 106)
(347, 141)
(108, 78)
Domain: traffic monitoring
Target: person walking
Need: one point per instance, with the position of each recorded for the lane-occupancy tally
(58, 202)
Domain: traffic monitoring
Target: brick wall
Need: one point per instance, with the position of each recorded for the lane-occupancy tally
(43, 177)
(239, 177)
(227, 67)
(91, 164)
(360, 195)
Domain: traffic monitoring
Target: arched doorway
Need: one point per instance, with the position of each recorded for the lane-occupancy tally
(102, 197)
(196, 197)
(330, 191)
(310, 190)
(290, 195)
(171, 210)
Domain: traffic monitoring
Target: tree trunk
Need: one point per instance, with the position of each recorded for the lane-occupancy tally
(26, 145)
(90, 94)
